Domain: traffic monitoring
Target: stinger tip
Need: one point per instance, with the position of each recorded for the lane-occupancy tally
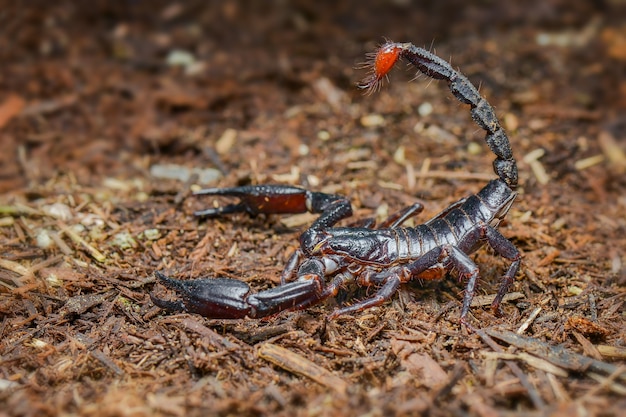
(380, 63)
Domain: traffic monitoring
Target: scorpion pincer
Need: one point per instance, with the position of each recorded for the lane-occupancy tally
(384, 256)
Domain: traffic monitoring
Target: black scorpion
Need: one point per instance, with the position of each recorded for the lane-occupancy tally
(385, 256)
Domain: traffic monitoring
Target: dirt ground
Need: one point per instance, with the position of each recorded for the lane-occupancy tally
(113, 112)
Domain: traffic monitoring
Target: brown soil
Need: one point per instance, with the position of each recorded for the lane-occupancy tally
(94, 96)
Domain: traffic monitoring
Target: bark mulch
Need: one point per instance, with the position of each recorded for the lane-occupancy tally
(113, 113)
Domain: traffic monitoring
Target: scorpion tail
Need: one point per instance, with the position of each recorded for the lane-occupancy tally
(434, 67)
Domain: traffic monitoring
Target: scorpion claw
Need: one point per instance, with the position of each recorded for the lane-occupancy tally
(257, 199)
(225, 298)
(218, 211)
(171, 306)
(220, 298)
(280, 199)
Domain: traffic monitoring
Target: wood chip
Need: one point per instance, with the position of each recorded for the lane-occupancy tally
(298, 220)
(421, 365)
(210, 336)
(106, 361)
(531, 360)
(612, 351)
(611, 149)
(535, 397)
(585, 163)
(226, 141)
(556, 355)
(299, 365)
(10, 108)
(532, 159)
(549, 258)
(13, 266)
(454, 175)
(587, 328)
(92, 251)
(328, 91)
(81, 303)
(588, 347)
(485, 300)
(528, 321)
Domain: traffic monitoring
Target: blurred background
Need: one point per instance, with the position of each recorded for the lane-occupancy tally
(83, 84)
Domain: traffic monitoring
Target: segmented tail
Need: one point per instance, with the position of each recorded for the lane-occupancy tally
(431, 65)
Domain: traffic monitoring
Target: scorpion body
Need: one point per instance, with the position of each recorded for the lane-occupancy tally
(385, 256)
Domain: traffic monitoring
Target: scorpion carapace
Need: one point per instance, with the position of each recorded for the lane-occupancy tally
(384, 256)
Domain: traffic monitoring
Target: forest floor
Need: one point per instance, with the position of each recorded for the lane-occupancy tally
(113, 113)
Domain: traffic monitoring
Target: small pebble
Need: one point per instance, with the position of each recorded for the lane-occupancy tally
(44, 241)
(323, 135)
(436, 133)
(226, 141)
(373, 120)
(115, 184)
(425, 109)
(124, 240)
(511, 123)
(180, 58)
(474, 148)
(91, 220)
(303, 150)
(77, 228)
(152, 234)
(182, 173)
(58, 211)
(6, 221)
(399, 156)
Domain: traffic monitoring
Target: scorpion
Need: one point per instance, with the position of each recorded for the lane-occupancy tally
(384, 256)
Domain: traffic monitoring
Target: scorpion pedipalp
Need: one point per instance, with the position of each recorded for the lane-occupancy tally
(226, 298)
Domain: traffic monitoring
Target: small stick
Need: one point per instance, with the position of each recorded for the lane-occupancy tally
(529, 321)
(517, 371)
(299, 365)
(608, 382)
(106, 361)
(95, 253)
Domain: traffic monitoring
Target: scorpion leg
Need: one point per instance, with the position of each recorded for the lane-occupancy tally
(389, 287)
(396, 219)
(292, 266)
(390, 280)
(392, 221)
(508, 251)
(467, 271)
